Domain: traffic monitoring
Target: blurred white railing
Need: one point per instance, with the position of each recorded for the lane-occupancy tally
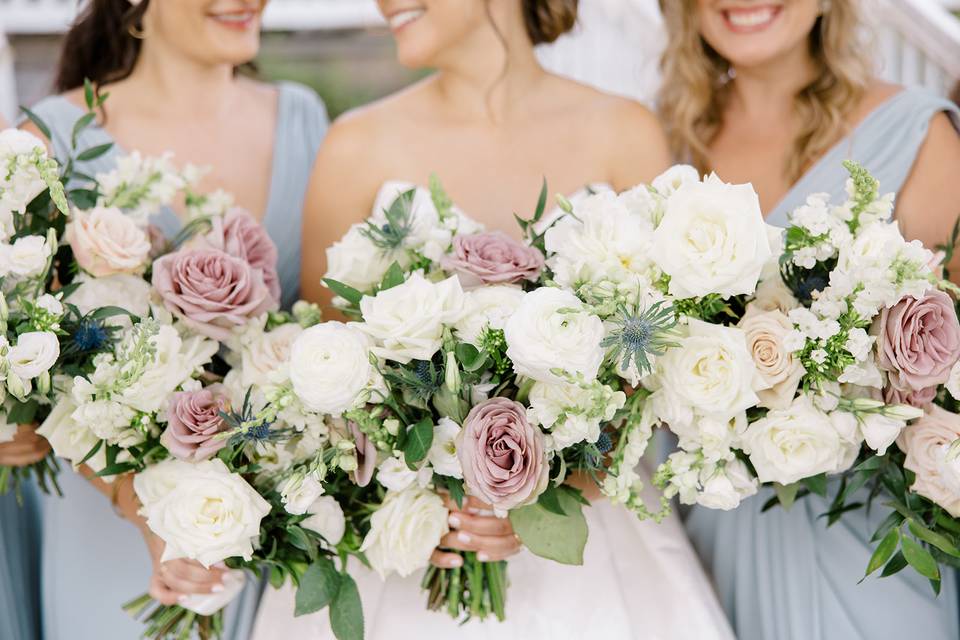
(919, 42)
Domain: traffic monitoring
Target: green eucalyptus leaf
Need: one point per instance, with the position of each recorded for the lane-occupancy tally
(94, 152)
(319, 586)
(346, 292)
(938, 540)
(919, 558)
(552, 536)
(418, 442)
(346, 611)
(38, 123)
(884, 551)
(817, 484)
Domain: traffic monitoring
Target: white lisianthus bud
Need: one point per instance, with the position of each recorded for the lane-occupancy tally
(43, 383)
(17, 387)
(346, 445)
(452, 373)
(392, 426)
(348, 463)
(902, 412)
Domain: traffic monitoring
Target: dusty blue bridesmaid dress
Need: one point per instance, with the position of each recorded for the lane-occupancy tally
(783, 575)
(20, 566)
(93, 561)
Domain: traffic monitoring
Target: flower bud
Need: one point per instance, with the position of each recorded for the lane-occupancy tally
(43, 383)
(392, 426)
(902, 412)
(17, 387)
(346, 445)
(452, 374)
(348, 463)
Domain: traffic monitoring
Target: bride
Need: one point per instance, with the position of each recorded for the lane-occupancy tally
(491, 123)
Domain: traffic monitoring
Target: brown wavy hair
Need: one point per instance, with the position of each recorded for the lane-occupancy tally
(547, 20)
(696, 85)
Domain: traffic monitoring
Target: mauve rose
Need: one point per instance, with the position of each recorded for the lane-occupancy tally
(193, 419)
(502, 455)
(366, 456)
(920, 398)
(239, 234)
(492, 258)
(211, 291)
(919, 341)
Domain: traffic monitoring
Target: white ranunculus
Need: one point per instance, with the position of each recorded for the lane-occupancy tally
(207, 604)
(356, 261)
(26, 257)
(407, 321)
(404, 531)
(209, 514)
(710, 372)
(70, 440)
(727, 486)
(330, 367)
(267, 352)
(34, 354)
(121, 290)
(394, 474)
(443, 452)
(795, 443)
(326, 518)
(712, 239)
(299, 492)
(552, 329)
(667, 183)
(487, 307)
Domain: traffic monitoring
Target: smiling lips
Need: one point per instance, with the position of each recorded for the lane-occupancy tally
(402, 18)
(752, 19)
(239, 20)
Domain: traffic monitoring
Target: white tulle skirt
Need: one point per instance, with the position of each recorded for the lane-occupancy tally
(639, 581)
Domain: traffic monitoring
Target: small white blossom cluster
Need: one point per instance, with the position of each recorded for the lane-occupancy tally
(141, 185)
(715, 485)
(25, 172)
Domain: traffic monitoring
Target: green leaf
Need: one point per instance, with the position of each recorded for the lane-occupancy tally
(896, 564)
(392, 278)
(88, 94)
(884, 551)
(787, 495)
(550, 500)
(419, 440)
(346, 612)
(938, 540)
(82, 123)
(22, 412)
(38, 123)
(891, 521)
(346, 292)
(469, 357)
(454, 487)
(94, 152)
(319, 586)
(548, 535)
(298, 538)
(109, 312)
(817, 484)
(541, 202)
(919, 558)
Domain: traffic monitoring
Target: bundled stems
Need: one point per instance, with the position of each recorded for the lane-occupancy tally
(474, 590)
(163, 622)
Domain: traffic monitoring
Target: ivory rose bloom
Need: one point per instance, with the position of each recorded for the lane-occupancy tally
(487, 308)
(502, 455)
(492, 257)
(927, 443)
(325, 517)
(193, 422)
(299, 492)
(781, 372)
(106, 241)
(407, 321)
(211, 291)
(70, 439)
(405, 530)
(712, 239)
(200, 510)
(552, 329)
(795, 443)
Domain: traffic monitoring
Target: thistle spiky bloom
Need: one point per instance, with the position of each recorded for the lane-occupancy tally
(638, 336)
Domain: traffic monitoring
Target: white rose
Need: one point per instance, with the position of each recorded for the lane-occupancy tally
(330, 367)
(299, 492)
(443, 452)
(26, 257)
(209, 515)
(121, 290)
(404, 531)
(407, 321)
(207, 604)
(487, 307)
(552, 329)
(266, 353)
(668, 182)
(356, 262)
(326, 518)
(711, 372)
(105, 241)
(781, 372)
(712, 239)
(71, 440)
(395, 475)
(34, 354)
(795, 443)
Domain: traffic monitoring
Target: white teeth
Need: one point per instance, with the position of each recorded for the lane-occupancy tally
(235, 17)
(750, 18)
(397, 20)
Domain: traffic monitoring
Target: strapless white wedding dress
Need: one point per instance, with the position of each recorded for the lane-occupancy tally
(639, 581)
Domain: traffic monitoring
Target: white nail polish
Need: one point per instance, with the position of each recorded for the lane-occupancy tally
(182, 598)
(217, 588)
(454, 522)
(482, 557)
(456, 561)
(463, 537)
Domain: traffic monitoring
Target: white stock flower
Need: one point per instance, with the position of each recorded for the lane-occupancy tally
(572, 413)
(407, 321)
(795, 443)
(25, 258)
(487, 307)
(50, 304)
(298, 492)
(712, 239)
(356, 261)
(326, 518)
(404, 531)
(201, 510)
(443, 452)
(34, 354)
(552, 329)
(330, 367)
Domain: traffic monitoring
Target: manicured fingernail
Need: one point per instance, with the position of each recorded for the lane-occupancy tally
(482, 557)
(463, 537)
(456, 561)
(217, 588)
(182, 598)
(454, 522)
(473, 510)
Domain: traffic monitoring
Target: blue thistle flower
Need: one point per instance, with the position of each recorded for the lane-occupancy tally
(91, 335)
(638, 336)
(604, 443)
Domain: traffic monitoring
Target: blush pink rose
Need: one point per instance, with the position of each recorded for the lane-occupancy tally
(239, 234)
(919, 341)
(920, 398)
(193, 422)
(211, 291)
(492, 258)
(502, 455)
(925, 442)
(105, 242)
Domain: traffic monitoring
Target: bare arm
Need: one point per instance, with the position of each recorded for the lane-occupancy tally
(929, 203)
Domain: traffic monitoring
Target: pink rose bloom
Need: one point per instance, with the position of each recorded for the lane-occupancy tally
(502, 455)
(105, 242)
(239, 234)
(211, 291)
(492, 258)
(919, 341)
(366, 456)
(193, 422)
(925, 443)
(920, 398)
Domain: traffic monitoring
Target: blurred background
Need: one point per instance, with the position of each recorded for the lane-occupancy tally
(342, 49)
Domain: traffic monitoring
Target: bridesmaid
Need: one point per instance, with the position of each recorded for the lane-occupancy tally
(170, 67)
(778, 94)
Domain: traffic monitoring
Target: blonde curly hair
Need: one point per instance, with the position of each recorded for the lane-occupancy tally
(696, 85)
